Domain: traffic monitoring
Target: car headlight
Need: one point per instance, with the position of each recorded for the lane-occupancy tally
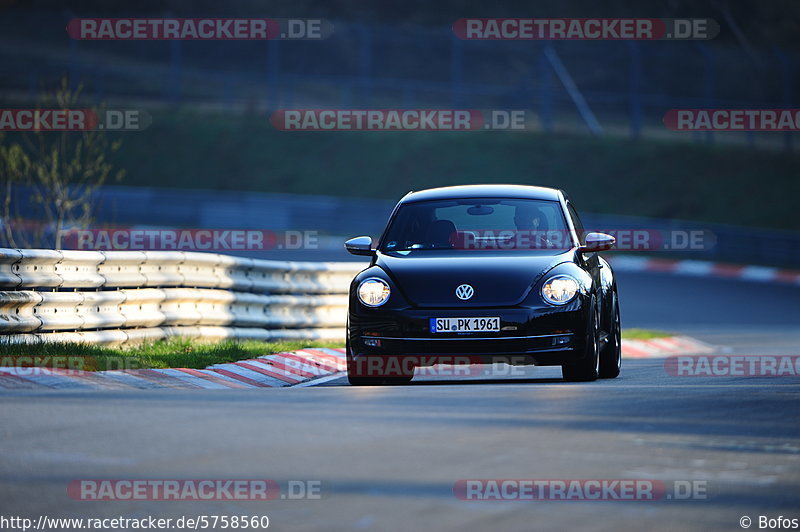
(373, 292)
(560, 289)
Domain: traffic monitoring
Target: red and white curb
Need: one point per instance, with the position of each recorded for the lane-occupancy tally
(307, 367)
(665, 347)
(298, 368)
(701, 268)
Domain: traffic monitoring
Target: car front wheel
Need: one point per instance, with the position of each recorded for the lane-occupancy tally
(354, 375)
(611, 354)
(358, 371)
(587, 369)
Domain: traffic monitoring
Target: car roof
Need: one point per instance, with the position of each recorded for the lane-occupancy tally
(483, 191)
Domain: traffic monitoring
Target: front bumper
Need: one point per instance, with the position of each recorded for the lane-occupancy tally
(541, 336)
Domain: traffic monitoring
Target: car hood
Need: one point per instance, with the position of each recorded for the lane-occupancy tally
(431, 280)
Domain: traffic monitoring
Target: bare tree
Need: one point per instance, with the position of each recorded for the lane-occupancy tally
(61, 169)
(15, 169)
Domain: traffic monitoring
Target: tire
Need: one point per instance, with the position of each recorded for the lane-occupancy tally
(352, 377)
(362, 381)
(587, 369)
(401, 377)
(355, 379)
(399, 381)
(611, 354)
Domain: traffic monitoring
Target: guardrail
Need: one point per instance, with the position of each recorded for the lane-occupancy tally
(123, 297)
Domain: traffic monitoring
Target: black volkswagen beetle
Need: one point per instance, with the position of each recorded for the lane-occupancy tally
(483, 274)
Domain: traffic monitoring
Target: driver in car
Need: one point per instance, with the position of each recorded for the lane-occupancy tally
(531, 220)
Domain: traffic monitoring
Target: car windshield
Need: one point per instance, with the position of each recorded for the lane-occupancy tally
(477, 224)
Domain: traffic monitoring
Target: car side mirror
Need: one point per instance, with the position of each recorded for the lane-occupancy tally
(360, 245)
(597, 242)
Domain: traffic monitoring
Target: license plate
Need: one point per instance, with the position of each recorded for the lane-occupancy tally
(444, 325)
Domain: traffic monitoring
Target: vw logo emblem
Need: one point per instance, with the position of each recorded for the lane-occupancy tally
(464, 292)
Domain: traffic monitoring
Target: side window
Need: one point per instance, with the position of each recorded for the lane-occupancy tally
(576, 221)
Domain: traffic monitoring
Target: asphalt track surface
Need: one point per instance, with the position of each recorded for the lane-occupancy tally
(388, 457)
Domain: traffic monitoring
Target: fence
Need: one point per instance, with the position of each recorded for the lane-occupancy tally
(628, 85)
(123, 297)
(339, 218)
